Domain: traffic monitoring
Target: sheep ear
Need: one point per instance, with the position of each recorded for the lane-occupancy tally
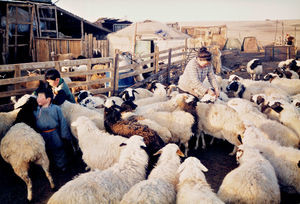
(74, 124)
(277, 107)
(100, 106)
(157, 153)
(260, 100)
(240, 139)
(179, 153)
(134, 91)
(122, 144)
(203, 168)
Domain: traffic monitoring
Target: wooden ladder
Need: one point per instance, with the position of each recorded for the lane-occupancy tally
(49, 27)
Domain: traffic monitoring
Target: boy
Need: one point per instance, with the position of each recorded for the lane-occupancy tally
(52, 126)
(59, 87)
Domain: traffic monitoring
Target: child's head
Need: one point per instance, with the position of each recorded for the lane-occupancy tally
(45, 94)
(52, 76)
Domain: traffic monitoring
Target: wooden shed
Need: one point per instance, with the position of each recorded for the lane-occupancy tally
(24, 21)
(280, 52)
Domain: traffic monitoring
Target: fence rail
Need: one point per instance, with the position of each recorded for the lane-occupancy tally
(112, 67)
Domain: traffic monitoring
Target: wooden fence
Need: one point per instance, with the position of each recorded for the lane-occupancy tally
(42, 47)
(113, 67)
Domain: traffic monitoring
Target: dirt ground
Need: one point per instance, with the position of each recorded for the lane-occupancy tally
(215, 157)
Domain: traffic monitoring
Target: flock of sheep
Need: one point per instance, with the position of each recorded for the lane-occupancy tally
(132, 143)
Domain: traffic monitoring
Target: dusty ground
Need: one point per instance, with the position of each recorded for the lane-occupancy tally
(215, 157)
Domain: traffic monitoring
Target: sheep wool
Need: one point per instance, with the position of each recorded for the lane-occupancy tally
(254, 181)
(109, 185)
(160, 185)
(192, 186)
(21, 146)
(72, 111)
(7, 120)
(220, 121)
(285, 160)
(100, 149)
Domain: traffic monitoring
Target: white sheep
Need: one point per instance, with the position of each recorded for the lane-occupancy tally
(283, 112)
(109, 185)
(21, 146)
(245, 90)
(135, 94)
(285, 160)
(220, 121)
(72, 111)
(192, 186)
(178, 122)
(100, 149)
(169, 105)
(290, 86)
(7, 119)
(253, 181)
(273, 130)
(255, 68)
(161, 183)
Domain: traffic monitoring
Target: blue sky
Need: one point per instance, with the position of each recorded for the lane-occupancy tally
(183, 10)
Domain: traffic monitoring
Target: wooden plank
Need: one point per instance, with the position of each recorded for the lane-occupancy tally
(135, 73)
(16, 92)
(89, 83)
(19, 79)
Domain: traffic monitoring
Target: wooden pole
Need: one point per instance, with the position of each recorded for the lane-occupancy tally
(17, 74)
(134, 39)
(156, 58)
(115, 75)
(169, 66)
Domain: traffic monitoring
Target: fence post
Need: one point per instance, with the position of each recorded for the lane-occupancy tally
(88, 77)
(156, 58)
(115, 75)
(57, 67)
(169, 66)
(17, 74)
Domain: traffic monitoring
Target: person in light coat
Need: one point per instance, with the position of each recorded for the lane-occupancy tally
(196, 71)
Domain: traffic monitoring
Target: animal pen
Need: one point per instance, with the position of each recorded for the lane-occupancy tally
(158, 70)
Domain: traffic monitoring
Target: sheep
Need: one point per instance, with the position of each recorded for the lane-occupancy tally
(253, 181)
(273, 130)
(114, 124)
(241, 90)
(7, 120)
(72, 111)
(285, 160)
(291, 64)
(169, 105)
(234, 77)
(22, 145)
(159, 95)
(87, 99)
(284, 73)
(109, 185)
(290, 86)
(283, 112)
(255, 68)
(220, 121)
(160, 185)
(135, 94)
(179, 123)
(192, 186)
(99, 148)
